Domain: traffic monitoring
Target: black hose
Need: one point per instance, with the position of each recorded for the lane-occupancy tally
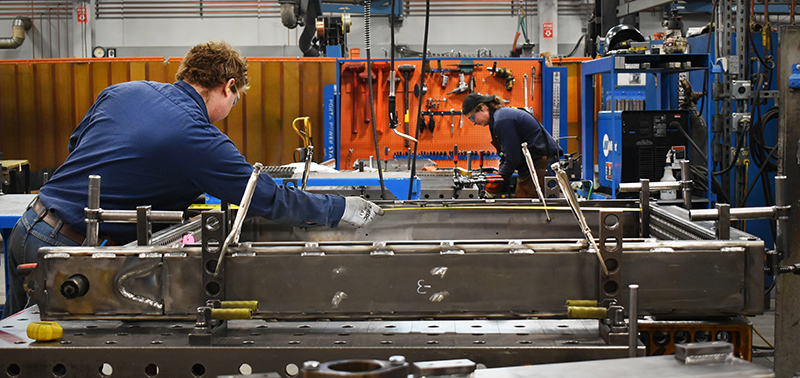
(708, 51)
(714, 180)
(392, 97)
(577, 44)
(308, 49)
(738, 146)
(419, 103)
(368, 48)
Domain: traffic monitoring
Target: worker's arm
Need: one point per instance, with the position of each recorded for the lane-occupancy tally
(510, 143)
(223, 172)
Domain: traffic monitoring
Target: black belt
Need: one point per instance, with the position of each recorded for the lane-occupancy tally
(53, 221)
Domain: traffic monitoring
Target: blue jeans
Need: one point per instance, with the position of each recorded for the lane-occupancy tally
(29, 234)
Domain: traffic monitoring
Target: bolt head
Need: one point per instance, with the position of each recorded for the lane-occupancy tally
(311, 365)
(397, 360)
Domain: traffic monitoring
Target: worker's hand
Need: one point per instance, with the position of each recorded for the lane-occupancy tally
(493, 186)
(358, 211)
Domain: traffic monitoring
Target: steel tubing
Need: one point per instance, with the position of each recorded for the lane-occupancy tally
(740, 213)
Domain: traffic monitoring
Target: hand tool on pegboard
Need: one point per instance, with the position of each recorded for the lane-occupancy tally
(364, 77)
(525, 88)
(406, 70)
(504, 74)
(355, 69)
(462, 85)
(452, 125)
(380, 120)
(455, 157)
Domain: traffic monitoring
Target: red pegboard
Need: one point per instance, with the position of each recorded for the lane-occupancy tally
(470, 137)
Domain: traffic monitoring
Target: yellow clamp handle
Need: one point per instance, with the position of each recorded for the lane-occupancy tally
(231, 313)
(306, 128)
(248, 305)
(44, 331)
(581, 302)
(586, 312)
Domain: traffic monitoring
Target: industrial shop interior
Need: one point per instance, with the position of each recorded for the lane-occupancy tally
(399, 188)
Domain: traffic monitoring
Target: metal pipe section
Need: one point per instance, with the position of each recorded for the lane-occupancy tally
(563, 183)
(633, 320)
(18, 28)
(130, 216)
(644, 203)
(233, 237)
(687, 189)
(782, 235)
(739, 213)
(632, 187)
(92, 212)
(534, 177)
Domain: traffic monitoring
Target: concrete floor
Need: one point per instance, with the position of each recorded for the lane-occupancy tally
(765, 325)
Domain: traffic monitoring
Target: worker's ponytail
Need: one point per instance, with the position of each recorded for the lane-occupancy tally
(495, 104)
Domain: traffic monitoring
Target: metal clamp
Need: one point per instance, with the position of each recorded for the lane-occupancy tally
(143, 216)
(236, 230)
(685, 185)
(572, 200)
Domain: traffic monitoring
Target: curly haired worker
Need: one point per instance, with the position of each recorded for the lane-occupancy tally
(510, 127)
(155, 144)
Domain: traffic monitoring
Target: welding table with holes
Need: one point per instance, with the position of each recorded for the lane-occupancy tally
(432, 280)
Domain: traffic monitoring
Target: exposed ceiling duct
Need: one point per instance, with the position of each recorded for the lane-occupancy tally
(21, 24)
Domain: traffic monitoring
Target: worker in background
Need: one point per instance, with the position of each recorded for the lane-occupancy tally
(155, 144)
(510, 127)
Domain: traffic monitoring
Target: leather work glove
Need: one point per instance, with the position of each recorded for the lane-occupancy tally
(493, 186)
(358, 211)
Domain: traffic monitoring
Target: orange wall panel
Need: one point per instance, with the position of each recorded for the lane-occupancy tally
(44, 100)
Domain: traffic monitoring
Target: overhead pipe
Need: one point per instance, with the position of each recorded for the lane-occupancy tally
(18, 28)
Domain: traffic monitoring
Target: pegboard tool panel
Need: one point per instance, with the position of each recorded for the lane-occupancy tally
(447, 82)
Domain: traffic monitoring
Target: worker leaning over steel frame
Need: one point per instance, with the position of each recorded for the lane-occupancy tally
(510, 127)
(155, 144)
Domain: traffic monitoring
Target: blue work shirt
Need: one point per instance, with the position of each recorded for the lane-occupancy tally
(153, 144)
(510, 127)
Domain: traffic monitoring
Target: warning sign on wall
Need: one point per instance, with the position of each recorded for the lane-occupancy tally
(81, 12)
(547, 30)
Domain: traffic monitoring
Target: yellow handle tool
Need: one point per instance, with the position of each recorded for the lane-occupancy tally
(231, 313)
(581, 303)
(586, 312)
(304, 134)
(248, 305)
(44, 331)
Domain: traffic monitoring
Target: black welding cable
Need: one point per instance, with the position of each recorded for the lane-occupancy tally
(711, 28)
(714, 181)
(419, 103)
(368, 47)
(577, 44)
(392, 97)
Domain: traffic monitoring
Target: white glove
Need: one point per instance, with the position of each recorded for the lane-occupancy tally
(358, 211)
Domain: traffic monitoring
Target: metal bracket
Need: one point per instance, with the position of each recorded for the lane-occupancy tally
(144, 229)
(213, 226)
(611, 253)
(644, 203)
(740, 89)
(206, 328)
(723, 226)
(551, 189)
